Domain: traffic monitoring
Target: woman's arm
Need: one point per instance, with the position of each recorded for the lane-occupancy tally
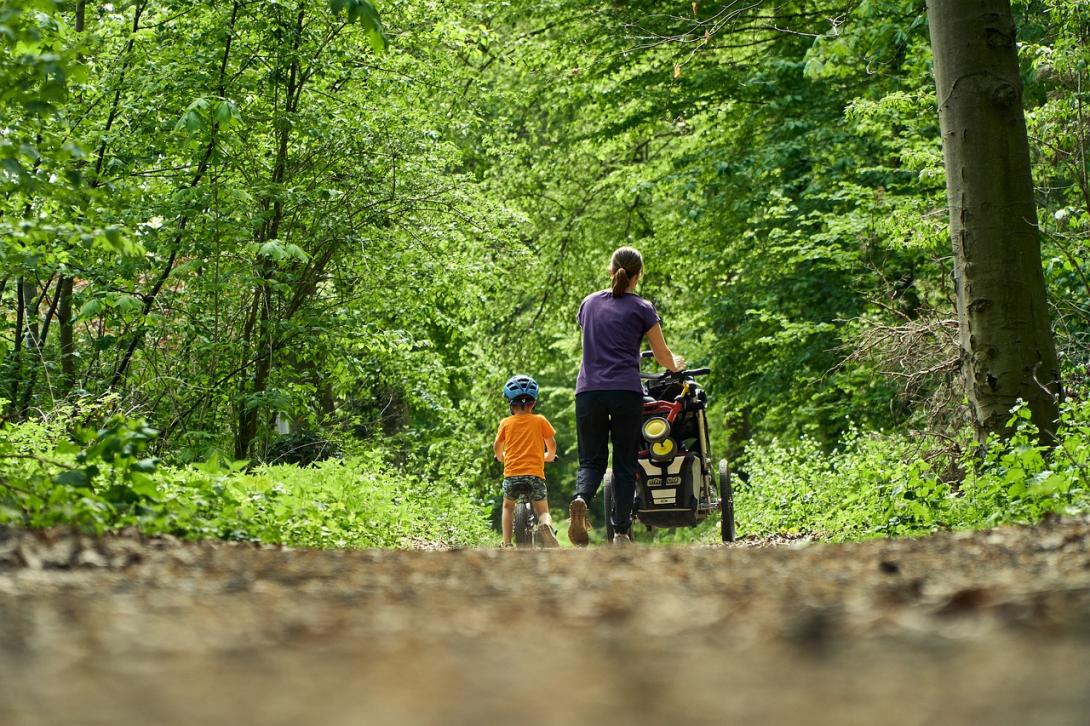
(663, 354)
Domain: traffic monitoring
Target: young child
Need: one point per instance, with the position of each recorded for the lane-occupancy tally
(524, 443)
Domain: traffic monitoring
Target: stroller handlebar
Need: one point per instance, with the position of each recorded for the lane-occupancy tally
(680, 375)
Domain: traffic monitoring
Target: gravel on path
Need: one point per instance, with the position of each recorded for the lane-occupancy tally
(981, 628)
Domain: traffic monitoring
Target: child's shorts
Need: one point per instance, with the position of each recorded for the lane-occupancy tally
(528, 486)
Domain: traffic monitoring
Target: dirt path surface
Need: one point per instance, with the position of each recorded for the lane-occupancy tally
(987, 628)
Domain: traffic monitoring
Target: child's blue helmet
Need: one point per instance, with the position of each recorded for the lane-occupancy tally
(520, 387)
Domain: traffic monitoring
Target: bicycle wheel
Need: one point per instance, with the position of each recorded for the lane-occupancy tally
(607, 503)
(524, 525)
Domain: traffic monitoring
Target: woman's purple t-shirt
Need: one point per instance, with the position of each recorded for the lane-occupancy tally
(613, 328)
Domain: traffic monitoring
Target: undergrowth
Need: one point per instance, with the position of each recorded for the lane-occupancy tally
(872, 485)
(899, 484)
(903, 484)
(102, 480)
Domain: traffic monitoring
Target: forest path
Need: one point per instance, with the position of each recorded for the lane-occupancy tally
(989, 628)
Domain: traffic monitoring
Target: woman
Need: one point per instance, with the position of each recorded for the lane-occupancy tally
(608, 394)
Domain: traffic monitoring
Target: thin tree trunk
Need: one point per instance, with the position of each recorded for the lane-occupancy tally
(16, 366)
(243, 435)
(26, 339)
(68, 345)
(115, 107)
(265, 345)
(68, 360)
(150, 297)
(39, 344)
(1007, 349)
(64, 310)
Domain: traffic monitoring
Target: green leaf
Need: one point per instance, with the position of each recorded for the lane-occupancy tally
(128, 303)
(39, 107)
(113, 235)
(144, 486)
(13, 167)
(225, 113)
(90, 309)
(365, 14)
(294, 250)
(73, 478)
(273, 250)
(146, 466)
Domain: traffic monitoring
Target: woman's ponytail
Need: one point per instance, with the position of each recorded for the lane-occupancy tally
(624, 267)
(620, 282)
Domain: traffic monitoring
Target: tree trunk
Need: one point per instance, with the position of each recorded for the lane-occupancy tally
(68, 343)
(152, 295)
(64, 311)
(249, 411)
(1007, 351)
(39, 340)
(15, 368)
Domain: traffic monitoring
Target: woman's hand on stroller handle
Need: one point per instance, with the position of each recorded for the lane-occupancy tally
(678, 361)
(679, 365)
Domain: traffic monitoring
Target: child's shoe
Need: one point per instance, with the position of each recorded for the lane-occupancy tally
(577, 522)
(547, 535)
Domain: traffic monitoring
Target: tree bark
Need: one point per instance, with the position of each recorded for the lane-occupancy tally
(64, 311)
(150, 297)
(68, 343)
(39, 344)
(14, 369)
(246, 430)
(1007, 351)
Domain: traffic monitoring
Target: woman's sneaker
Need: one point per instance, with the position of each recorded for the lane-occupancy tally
(577, 522)
(622, 538)
(547, 535)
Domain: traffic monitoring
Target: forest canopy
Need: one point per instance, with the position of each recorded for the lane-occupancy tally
(242, 234)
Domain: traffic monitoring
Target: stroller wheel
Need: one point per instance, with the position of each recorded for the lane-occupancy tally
(726, 502)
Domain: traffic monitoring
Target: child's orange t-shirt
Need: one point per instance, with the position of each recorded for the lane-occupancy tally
(523, 439)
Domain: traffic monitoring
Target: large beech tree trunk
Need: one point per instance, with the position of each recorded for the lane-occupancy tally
(1006, 343)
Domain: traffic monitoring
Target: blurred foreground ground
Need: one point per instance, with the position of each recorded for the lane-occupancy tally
(985, 628)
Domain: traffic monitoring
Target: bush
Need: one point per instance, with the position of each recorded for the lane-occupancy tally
(301, 447)
(357, 502)
(102, 481)
(872, 485)
(886, 485)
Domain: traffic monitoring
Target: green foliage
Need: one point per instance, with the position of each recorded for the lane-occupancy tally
(96, 477)
(891, 485)
(240, 218)
(365, 14)
(356, 502)
(101, 482)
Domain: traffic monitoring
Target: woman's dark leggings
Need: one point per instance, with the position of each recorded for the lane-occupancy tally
(599, 417)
